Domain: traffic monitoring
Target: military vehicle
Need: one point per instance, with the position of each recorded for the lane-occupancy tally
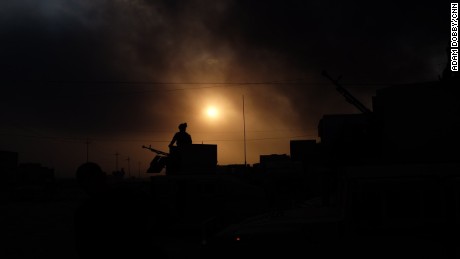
(388, 184)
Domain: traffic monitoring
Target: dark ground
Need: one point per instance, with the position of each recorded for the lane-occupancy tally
(37, 227)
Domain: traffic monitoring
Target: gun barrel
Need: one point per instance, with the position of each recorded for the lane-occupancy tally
(348, 96)
(156, 151)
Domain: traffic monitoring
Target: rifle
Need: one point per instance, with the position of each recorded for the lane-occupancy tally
(155, 150)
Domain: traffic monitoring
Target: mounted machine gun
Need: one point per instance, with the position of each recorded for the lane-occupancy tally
(159, 161)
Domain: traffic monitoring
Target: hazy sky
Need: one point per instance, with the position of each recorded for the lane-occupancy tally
(126, 73)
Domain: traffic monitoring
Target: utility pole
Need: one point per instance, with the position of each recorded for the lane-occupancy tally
(129, 168)
(87, 150)
(139, 172)
(116, 161)
(244, 134)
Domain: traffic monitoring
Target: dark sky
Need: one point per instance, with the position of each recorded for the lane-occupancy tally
(125, 73)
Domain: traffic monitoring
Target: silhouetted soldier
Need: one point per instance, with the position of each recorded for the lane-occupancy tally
(182, 138)
(115, 221)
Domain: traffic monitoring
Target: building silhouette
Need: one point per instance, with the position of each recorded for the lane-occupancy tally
(381, 182)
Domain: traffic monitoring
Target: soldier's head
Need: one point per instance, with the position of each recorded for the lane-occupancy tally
(182, 126)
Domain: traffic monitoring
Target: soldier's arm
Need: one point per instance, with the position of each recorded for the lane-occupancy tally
(173, 140)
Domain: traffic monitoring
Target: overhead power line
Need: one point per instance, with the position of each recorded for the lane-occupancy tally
(204, 84)
(85, 140)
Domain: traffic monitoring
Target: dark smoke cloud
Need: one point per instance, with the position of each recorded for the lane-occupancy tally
(70, 65)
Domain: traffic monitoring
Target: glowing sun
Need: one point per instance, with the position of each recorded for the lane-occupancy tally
(212, 112)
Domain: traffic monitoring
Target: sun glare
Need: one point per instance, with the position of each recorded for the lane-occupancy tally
(212, 112)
